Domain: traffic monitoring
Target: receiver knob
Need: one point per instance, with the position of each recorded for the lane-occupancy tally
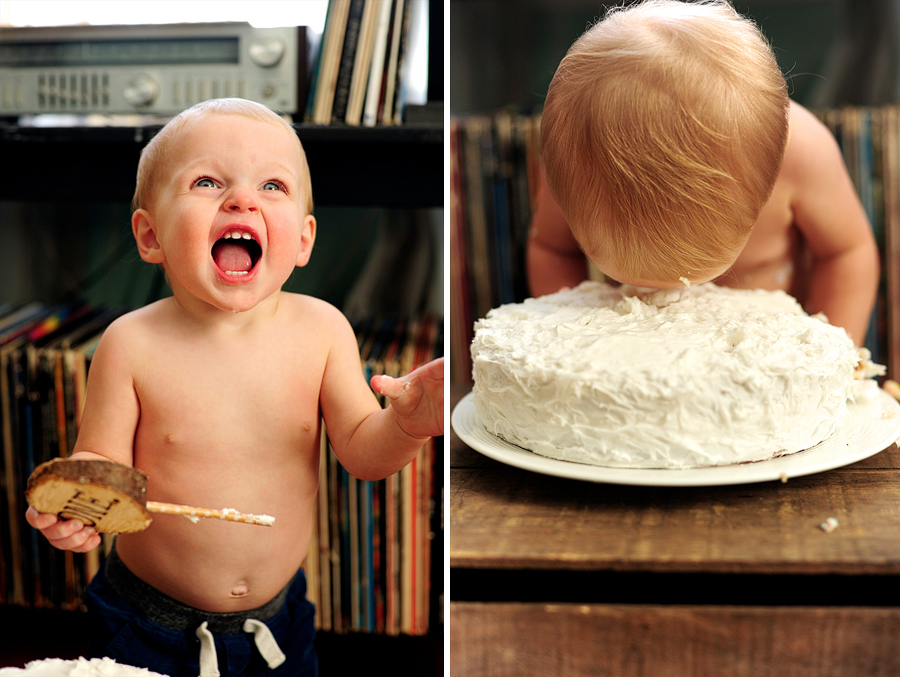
(141, 91)
(266, 52)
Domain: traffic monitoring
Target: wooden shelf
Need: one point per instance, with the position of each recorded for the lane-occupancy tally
(398, 166)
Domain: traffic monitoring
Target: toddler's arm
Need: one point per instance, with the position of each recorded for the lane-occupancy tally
(845, 269)
(554, 259)
(110, 417)
(371, 442)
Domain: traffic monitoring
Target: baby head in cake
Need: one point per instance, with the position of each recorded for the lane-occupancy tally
(662, 136)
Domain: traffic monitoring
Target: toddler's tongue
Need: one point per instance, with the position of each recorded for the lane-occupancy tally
(230, 256)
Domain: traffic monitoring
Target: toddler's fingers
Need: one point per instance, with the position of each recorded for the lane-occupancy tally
(62, 529)
(91, 541)
(388, 386)
(40, 520)
(430, 375)
(72, 535)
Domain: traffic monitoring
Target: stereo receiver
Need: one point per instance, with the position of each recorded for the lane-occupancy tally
(150, 69)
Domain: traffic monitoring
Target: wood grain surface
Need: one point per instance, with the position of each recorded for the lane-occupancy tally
(538, 640)
(552, 576)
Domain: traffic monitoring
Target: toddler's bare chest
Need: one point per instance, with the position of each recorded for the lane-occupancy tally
(200, 399)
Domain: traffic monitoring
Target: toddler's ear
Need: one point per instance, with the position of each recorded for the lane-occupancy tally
(307, 240)
(145, 236)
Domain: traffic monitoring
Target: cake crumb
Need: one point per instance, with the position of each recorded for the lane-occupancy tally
(783, 477)
(829, 525)
(892, 388)
(686, 282)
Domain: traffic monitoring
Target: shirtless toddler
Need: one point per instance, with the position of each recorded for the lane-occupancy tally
(672, 154)
(217, 392)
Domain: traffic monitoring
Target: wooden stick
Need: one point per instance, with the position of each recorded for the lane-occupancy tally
(223, 514)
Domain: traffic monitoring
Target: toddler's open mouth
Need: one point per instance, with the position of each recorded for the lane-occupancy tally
(236, 253)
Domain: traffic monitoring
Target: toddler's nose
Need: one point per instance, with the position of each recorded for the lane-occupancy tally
(241, 200)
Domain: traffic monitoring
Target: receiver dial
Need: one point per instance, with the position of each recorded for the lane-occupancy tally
(141, 91)
(266, 52)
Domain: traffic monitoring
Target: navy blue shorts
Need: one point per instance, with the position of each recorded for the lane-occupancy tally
(137, 625)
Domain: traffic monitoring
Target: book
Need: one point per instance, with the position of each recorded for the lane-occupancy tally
(399, 27)
(348, 58)
(328, 61)
(363, 61)
(375, 86)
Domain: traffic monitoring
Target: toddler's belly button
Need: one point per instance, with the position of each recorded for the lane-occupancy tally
(240, 590)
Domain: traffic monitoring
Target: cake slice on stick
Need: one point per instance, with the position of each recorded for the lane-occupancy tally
(110, 497)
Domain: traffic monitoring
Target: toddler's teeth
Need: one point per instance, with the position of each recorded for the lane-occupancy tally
(247, 236)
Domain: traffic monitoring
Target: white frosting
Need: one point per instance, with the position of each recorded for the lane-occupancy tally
(688, 377)
(265, 520)
(95, 667)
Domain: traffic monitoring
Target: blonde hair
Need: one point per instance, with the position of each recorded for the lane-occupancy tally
(155, 153)
(662, 135)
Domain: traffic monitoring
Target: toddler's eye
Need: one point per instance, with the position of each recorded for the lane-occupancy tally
(205, 183)
(273, 185)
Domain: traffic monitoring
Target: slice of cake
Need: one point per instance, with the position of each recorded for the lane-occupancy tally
(639, 378)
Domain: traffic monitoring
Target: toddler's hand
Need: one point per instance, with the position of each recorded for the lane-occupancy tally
(417, 398)
(63, 534)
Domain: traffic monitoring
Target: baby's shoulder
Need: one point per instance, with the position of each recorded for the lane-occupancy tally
(146, 316)
(138, 326)
(811, 145)
(308, 311)
(129, 338)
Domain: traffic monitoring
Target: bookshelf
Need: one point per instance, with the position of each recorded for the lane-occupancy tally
(391, 169)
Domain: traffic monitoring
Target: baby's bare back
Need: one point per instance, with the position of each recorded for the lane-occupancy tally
(228, 419)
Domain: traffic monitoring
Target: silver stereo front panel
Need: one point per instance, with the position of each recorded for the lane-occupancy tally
(153, 69)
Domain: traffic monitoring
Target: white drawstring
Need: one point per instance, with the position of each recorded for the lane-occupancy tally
(265, 643)
(209, 664)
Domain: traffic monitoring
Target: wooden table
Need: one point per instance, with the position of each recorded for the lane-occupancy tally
(553, 577)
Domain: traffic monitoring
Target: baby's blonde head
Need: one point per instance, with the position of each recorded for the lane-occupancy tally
(157, 152)
(662, 135)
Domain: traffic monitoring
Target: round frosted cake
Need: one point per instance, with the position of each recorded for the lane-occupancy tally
(639, 378)
(82, 667)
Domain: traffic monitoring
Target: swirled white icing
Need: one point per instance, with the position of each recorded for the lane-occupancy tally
(689, 377)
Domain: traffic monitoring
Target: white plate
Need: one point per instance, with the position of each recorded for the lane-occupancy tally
(871, 427)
